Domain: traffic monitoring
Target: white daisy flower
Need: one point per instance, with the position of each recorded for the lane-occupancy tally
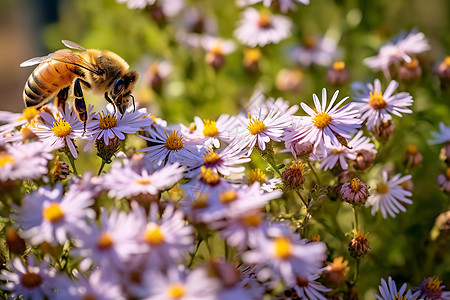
(286, 255)
(110, 125)
(258, 130)
(14, 120)
(326, 127)
(217, 45)
(102, 284)
(285, 5)
(24, 161)
(388, 291)
(216, 131)
(376, 108)
(170, 8)
(443, 136)
(341, 154)
(308, 288)
(32, 280)
(60, 128)
(169, 146)
(48, 216)
(260, 28)
(123, 181)
(389, 196)
(321, 51)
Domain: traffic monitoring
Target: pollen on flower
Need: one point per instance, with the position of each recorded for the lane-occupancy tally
(153, 234)
(201, 201)
(264, 20)
(256, 175)
(107, 121)
(53, 213)
(382, 188)
(255, 126)
(252, 220)
(208, 176)
(228, 196)
(339, 65)
(176, 291)
(412, 64)
(143, 181)
(354, 184)
(61, 128)
(412, 149)
(210, 128)
(173, 142)
(434, 284)
(31, 280)
(282, 247)
(105, 241)
(376, 100)
(211, 158)
(29, 113)
(217, 49)
(321, 120)
(5, 159)
(252, 55)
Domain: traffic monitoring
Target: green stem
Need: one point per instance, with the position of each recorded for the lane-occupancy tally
(195, 252)
(303, 200)
(271, 161)
(72, 163)
(101, 167)
(314, 172)
(355, 278)
(355, 212)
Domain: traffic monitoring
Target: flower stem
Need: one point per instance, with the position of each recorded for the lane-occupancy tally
(72, 163)
(195, 252)
(355, 212)
(101, 167)
(313, 171)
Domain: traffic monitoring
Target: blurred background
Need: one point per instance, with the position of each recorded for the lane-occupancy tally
(36, 27)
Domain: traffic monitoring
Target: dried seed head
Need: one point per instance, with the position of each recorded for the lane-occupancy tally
(364, 160)
(293, 177)
(355, 192)
(359, 245)
(335, 272)
(106, 152)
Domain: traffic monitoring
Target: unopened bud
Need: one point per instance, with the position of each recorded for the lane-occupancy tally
(60, 170)
(444, 181)
(445, 153)
(157, 14)
(293, 177)
(443, 72)
(215, 60)
(351, 295)
(355, 192)
(251, 60)
(106, 152)
(15, 243)
(383, 131)
(359, 245)
(289, 80)
(413, 157)
(337, 74)
(364, 160)
(410, 71)
(335, 272)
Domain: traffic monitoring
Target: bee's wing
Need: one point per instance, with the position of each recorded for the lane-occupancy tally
(73, 45)
(69, 57)
(34, 61)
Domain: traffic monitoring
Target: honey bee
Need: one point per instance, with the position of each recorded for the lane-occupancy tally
(101, 71)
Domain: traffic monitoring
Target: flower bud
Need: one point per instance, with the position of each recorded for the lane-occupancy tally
(215, 59)
(351, 295)
(443, 72)
(410, 71)
(364, 160)
(384, 131)
(359, 245)
(444, 181)
(337, 74)
(106, 152)
(355, 192)
(445, 153)
(289, 80)
(293, 177)
(157, 14)
(28, 135)
(14, 242)
(335, 272)
(60, 170)
(251, 60)
(413, 157)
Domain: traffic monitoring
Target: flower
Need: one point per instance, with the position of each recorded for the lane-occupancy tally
(24, 161)
(216, 49)
(388, 291)
(48, 216)
(431, 289)
(14, 120)
(215, 131)
(260, 28)
(317, 50)
(308, 288)
(359, 244)
(389, 195)
(113, 124)
(285, 5)
(443, 181)
(376, 108)
(32, 280)
(355, 192)
(102, 284)
(400, 48)
(170, 8)
(326, 128)
(441, 137)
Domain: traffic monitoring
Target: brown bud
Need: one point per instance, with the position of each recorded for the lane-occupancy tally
(15, 243)
(293, 176)
(445, 153)
(60, 170)
(364, 160)
(335, 273)
(337, 74)
(359, 245)
(289, 80)
(443, 72)
(106, 152)
(351, 295)
(215, 60)
(444, 181)
(251, 60)
(410, 71)
(413, 157)
(157, 14)
(383, 131)
(355, 192)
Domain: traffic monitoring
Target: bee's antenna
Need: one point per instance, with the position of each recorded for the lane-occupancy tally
(134, 105)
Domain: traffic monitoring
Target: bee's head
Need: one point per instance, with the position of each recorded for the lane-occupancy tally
(120, 91)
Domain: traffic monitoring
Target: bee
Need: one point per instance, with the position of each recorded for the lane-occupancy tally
(100, 71)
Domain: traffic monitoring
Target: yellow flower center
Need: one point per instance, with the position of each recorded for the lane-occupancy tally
(339, 65)
(153, 234)
(376, 100)
(176, 291)
(382, 188)
(447, 173)
(434, 284)
(412, 64)
(173, 142)
(31, 280)
(143, 181)
(107, 121)
(321, 120)
(211, 158)
(264, 20)
(256, 175)
(282, 247)
(53, 213)
(105, 241)
(217, 48)
(354, 184)
(252, 55)
(255, 126)
(29, 113)
(61, 128)
(210, 128)
(252, 220)
(154, 68)
(208, 176)
(228, 196)
(5, 159)
(201, 201)
(447, 61)
(412, 149)
(315, 238)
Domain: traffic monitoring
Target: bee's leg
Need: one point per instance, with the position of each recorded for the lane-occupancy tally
(80, 104)
(134, 104)
(110, 101)
(61, 97)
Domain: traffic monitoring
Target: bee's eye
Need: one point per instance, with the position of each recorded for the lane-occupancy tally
(118, 86)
